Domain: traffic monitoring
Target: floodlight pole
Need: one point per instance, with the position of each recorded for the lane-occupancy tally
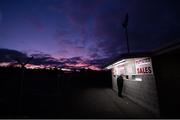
(125, 26)
(127, 40)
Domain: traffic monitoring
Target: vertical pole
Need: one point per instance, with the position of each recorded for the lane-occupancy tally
(125, 26)
(127, 40)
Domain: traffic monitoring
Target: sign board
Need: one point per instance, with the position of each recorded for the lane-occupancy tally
(143, 66)
(130, 67)
(118, 70)
(121, 69)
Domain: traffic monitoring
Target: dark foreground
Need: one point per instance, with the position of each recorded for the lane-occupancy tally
(76, 95)
(79, 103)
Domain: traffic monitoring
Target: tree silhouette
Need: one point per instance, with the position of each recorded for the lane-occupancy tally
(23, 64)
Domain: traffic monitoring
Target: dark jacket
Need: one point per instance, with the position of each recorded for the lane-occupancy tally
(120, 85)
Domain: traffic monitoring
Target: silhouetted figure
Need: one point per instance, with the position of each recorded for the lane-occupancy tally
(120, 85)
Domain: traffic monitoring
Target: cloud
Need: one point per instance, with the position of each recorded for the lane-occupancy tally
(97, 25)
(73, 60)
(44, 59)
(93, 29)
(100, 63)
(7, 55)
(79, 15)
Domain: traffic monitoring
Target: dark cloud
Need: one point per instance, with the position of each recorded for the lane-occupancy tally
(104, 18)
(100, 62)
(73, 60)
(7, 55)
(79, 15)
(44, 59)
(94, 55)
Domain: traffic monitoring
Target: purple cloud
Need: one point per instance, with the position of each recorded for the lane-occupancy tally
(7, 55)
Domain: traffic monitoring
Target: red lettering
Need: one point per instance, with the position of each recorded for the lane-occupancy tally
(149, 68)
(144, 70)
(138, 70)
(141, 70)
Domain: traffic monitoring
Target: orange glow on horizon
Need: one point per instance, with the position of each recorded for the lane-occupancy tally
(94, 68)
(67, 65)
(31, 66)
(77, 65)
(4, 64)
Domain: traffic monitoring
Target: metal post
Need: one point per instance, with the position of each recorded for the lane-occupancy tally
(126, 32)
(125, 25)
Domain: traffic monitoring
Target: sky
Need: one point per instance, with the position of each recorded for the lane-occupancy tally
(78, 33)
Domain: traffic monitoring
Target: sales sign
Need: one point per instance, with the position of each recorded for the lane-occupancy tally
(143, 66)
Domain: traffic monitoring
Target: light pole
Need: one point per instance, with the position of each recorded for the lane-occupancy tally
(125, 26)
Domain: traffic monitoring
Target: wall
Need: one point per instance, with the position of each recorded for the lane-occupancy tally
(167, 72)
(142, 92)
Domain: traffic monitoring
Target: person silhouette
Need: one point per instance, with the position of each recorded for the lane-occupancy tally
(120, 85)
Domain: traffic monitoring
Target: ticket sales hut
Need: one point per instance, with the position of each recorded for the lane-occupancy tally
(140, 84)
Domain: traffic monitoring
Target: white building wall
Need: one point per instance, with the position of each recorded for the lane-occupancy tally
(142, 91)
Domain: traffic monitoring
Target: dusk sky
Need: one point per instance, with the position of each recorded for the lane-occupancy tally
(84, 32)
